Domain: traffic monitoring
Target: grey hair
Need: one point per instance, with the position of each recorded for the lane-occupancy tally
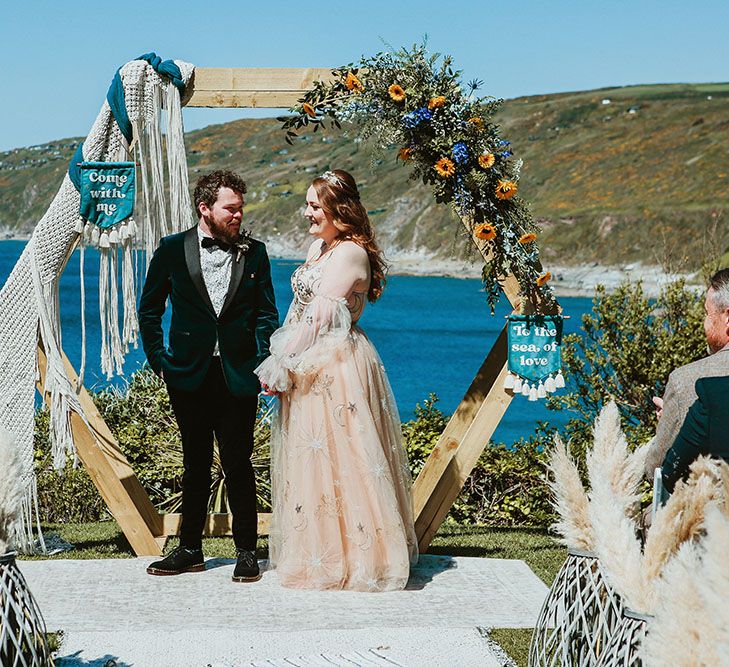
(719, 283)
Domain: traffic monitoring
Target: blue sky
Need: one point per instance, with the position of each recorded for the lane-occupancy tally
(57, 58)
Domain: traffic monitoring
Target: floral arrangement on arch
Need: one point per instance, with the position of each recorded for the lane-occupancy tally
(445, 132)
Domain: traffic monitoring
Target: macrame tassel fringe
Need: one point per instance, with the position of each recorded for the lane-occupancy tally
(61, 396)
(130, 329)
(112, 356)
(21, 535)
(180, 204)
(152, 167)
(117, 349)
(82, 282)
(509, 381)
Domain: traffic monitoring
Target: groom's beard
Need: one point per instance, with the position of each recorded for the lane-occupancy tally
(227, 232)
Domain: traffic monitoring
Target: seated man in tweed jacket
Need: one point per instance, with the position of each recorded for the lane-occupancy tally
(680, 391)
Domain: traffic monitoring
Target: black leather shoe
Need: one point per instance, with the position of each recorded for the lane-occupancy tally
(179, 561)
(246, 569)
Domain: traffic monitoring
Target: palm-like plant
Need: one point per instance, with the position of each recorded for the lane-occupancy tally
(218, 502)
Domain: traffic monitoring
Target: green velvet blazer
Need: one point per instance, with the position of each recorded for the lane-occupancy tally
(242, 330)
(704, 431)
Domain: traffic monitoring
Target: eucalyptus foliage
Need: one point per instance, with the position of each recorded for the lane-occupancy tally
(446, 134)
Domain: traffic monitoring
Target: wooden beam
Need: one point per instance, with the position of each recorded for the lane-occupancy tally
(215, 526)
(469, 429)
(252, 87)
(110, 471)
(467, 434)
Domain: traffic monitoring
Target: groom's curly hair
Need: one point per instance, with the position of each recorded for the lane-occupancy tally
(208, 185)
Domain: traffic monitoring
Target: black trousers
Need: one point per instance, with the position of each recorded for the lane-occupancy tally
(211, 410)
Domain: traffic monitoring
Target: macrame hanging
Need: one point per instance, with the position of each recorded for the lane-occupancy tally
(130, 121)
(535, 355)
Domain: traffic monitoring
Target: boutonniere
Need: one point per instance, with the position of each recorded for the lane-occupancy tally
(243, 244)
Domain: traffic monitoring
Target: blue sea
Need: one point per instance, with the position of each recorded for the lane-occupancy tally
(432, 334)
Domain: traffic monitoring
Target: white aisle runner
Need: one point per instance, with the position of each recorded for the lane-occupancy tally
(111, 609)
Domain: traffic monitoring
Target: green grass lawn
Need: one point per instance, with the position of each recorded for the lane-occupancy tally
(532, 545)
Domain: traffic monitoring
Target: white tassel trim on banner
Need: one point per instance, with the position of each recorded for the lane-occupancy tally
(519, 385)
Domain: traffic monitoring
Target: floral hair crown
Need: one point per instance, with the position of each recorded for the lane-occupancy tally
(332, 178)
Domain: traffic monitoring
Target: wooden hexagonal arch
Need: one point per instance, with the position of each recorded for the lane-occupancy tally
(451, 461)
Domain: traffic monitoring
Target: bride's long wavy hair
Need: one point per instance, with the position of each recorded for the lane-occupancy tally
(339, 197)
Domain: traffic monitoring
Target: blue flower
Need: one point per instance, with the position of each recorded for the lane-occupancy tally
(506, 154)
(414, 118)
(504, 143)
(460, 153)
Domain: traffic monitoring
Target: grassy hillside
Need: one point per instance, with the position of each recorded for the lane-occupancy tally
(644, 177)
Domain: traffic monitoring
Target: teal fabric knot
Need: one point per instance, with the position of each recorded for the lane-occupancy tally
(117, 104)
(166, 68)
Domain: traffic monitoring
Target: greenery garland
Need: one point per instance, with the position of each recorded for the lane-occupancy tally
(416, 101)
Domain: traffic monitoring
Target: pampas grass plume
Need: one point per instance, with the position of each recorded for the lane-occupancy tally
(682, 632)
(713, 579)
(682, 518)
(569, 499)
(610, 462)
(11, 492)
(614, 479)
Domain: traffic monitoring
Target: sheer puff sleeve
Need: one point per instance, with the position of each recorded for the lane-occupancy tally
(305, 346)
(307, 342)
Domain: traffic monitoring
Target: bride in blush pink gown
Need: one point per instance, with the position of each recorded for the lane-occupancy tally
(342, 506)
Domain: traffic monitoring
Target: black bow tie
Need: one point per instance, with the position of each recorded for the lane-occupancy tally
(209, 242)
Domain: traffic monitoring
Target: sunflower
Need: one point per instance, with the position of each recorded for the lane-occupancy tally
(544, 279)
(505, 189)
(445, 167)
(436, 102)
(353, 83)
(525, 239)
(475, 120)
(396, 92)
(309, 110)
(405, 154)
(485, 231)
(486, 160)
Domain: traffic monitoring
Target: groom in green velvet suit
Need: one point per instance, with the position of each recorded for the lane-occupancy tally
(218, 283)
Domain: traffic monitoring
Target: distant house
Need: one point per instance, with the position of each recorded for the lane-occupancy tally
(606, 100)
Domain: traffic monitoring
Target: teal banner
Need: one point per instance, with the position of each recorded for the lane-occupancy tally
(535, 346)
(107, 192)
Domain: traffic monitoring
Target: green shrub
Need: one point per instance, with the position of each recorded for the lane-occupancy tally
(507, 485)
(68, 496)
(628, 346)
